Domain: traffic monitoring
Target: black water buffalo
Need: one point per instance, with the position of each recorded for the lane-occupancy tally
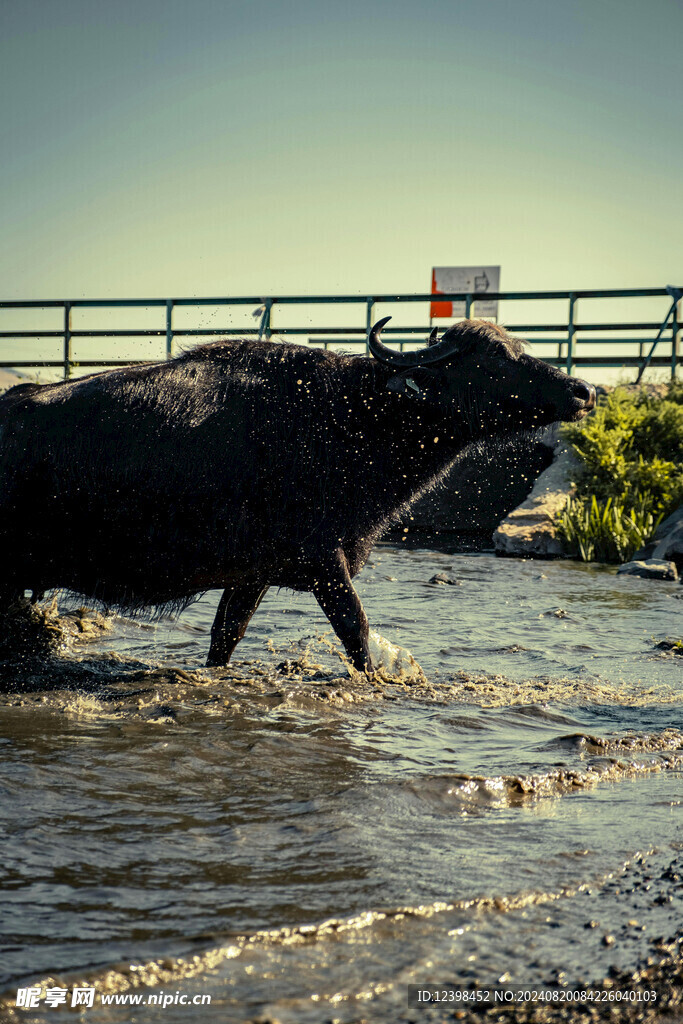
(249, 464)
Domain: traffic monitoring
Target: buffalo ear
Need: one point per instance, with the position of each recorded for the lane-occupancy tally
(413, 382)
(398, 384)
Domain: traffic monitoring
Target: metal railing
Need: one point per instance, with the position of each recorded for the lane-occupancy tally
(570, 344)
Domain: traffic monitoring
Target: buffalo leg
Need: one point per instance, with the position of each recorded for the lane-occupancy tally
(340, 602)
(234, 613)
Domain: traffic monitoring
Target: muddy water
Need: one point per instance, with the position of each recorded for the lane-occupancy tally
(302, 843)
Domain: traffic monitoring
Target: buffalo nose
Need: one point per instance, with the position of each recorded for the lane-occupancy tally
(585, 393)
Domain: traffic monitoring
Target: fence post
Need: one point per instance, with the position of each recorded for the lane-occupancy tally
(67, 340)
(571, 330)
(264, 326)
(370, 305)
(268, 314)
(674, 341)
(468, 307)
(169, 328)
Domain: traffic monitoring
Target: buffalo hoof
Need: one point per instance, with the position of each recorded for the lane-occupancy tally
(391, 660)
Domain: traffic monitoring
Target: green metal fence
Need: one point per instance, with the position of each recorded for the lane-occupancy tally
(634, 343)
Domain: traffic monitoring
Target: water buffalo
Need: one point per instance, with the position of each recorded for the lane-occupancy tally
(249, 464)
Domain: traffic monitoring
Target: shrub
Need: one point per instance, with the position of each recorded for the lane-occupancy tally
(631, 475)
(660, 430)
(603, 531)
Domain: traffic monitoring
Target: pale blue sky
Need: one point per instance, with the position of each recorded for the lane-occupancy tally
(165, 147)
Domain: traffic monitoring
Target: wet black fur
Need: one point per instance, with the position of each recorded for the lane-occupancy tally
(145, 486)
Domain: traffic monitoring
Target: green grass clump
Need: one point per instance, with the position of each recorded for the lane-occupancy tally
(631, 475)
(604, 531)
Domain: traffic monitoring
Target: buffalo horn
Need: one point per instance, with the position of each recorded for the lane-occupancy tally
(435, 352)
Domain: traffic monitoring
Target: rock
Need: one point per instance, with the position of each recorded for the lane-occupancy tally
(650, 569)
(443, 577)
(483, 486)
(8, 378)
(670, 548)
(669, 524)
(530, 529)
(667, 543)
(675, 646)
(644, 552)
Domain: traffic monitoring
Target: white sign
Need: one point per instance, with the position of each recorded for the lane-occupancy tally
(465, 279)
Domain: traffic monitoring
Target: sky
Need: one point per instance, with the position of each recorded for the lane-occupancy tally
(209, 147)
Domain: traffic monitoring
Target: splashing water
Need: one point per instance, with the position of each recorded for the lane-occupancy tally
(301, 841)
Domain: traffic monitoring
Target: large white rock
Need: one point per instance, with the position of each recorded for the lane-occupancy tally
(530, 529)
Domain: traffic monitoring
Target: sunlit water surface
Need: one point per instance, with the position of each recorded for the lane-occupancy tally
(295, 840)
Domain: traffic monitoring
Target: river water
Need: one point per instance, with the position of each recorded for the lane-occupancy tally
(301, 843)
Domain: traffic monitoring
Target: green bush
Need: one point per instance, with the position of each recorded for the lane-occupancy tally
(631, 475)
(660, 430)
(675, 392)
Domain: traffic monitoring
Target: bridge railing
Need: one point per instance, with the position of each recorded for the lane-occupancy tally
(570, 342)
